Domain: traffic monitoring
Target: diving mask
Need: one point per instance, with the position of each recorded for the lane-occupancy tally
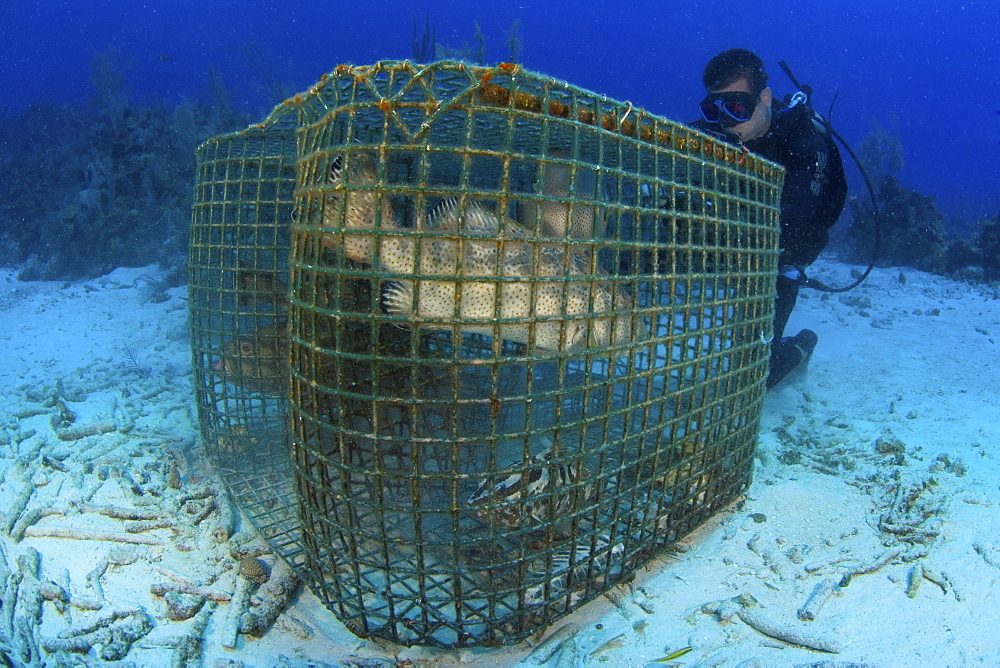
(730, 108)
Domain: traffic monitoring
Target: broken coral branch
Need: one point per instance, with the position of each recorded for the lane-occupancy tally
(89, 534)
(275, 598)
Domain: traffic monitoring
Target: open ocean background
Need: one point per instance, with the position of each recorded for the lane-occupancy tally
(924, 71)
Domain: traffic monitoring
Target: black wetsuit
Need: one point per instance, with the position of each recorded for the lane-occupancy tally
(811, 201)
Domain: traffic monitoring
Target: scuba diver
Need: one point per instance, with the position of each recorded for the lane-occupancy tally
(740, 108)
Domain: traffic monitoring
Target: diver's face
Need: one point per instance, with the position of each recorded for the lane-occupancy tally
(760, 121)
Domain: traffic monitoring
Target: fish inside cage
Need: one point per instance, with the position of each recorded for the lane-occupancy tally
(459, 261)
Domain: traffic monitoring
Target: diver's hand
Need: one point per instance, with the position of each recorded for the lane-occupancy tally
(720, 133)
(793, 274)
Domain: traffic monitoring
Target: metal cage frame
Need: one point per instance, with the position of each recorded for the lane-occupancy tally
(472, 344)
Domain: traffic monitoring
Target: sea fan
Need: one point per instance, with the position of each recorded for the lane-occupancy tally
(132, 360)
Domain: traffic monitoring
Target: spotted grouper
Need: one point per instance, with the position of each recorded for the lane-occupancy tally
(550, 295)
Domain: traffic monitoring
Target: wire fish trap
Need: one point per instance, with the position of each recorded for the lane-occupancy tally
(456, 361)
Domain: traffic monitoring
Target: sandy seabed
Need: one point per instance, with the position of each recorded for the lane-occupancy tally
(870, 536)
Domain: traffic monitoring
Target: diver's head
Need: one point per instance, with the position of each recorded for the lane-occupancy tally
(739, 99)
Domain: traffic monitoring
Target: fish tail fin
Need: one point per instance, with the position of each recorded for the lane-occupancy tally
(559, 220)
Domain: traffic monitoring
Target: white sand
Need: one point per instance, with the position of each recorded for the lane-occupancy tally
(915, 363)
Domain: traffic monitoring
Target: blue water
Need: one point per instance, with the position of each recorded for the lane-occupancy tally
(925, 70)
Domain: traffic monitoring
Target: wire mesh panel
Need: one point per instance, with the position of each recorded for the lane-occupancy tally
(238, 298)
(472, 344)
(528, 334)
